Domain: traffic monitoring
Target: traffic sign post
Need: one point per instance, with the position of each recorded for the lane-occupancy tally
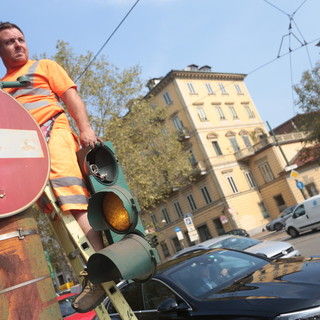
(24, 163)
(192, 232)
(300, 185)
(179, 233)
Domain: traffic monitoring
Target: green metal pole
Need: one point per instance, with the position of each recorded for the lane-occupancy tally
(284, 156)
(23, 81)
(277, 144)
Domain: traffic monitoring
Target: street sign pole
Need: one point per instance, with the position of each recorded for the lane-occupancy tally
(24, 163)
(192, 232)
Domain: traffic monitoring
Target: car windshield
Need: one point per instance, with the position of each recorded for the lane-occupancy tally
(287, 211)
(204, 274)
(235, 243)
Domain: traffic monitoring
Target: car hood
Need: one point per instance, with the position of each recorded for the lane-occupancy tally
(269, 248)
(279, 287)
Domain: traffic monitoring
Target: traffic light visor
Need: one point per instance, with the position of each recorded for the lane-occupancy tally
(130, 258)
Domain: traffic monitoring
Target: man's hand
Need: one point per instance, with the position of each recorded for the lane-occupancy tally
(88, 138)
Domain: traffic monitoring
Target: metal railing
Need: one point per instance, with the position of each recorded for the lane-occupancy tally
(247, 152)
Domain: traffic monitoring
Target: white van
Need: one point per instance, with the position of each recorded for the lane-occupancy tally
(305, 217)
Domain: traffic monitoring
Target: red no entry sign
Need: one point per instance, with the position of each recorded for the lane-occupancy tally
(24, 158)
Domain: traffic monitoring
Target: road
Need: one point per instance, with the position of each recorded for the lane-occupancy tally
(307, 243)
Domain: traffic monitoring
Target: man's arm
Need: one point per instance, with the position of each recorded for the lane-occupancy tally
(78, 112)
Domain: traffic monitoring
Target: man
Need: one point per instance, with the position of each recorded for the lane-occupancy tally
(49, 84)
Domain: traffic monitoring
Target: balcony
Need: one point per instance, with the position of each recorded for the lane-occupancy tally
(245, 153)
(183, 134)
(199, 169)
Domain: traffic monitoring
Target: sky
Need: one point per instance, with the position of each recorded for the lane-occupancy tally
(272, 41)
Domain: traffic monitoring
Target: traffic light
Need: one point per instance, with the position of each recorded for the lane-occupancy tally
(153, 240)
(115, 211)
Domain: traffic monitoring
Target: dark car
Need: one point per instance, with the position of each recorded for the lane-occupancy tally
(269, 248)
(226, 284)
(279, 223)
(238, 232)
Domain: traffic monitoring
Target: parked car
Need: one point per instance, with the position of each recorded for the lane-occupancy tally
(279, 223)
(238, 232)
(268, 248)
(253, 288)
(305, 217)
(65, 303)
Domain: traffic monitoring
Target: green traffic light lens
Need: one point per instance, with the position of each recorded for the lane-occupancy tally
(115, 213)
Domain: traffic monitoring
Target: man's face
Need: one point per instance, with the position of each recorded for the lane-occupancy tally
(13, 49)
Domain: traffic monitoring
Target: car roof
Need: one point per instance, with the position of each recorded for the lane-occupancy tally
(188, 250)
(204, 245)
(218, 239)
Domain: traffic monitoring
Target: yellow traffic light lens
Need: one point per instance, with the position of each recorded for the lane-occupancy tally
(115, 213)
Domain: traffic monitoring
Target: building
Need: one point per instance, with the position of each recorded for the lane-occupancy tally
(241, 176)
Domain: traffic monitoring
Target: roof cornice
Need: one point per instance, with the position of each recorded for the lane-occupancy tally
(204, 75)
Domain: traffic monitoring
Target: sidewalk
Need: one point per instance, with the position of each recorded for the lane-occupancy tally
(269, 235)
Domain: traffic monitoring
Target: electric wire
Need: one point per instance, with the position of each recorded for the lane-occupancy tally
(303, 44)
(264, 65)
(271, 4)
(290, 34)
(292, 84)
(99, 51)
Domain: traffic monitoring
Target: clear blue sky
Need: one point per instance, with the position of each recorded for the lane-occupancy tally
(237, 36)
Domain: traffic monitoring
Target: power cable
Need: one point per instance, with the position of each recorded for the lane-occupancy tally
(271, 4)
(290, 35)
(114, 31)
(265, 64)
(280, 56)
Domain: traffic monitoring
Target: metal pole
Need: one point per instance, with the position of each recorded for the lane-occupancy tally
(284, 156)
(24, 271)
(277, 144)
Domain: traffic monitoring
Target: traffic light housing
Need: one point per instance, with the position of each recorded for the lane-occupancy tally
(115, 211)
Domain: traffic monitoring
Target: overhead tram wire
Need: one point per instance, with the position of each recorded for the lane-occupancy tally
(115, 30)
(294, 12)
(280, 56)
(267, 63)
(303, 43)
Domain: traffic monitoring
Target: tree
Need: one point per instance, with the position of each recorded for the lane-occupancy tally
(153, 160)
(309, 102)
(105, 89)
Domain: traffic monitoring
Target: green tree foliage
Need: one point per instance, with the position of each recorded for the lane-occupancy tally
(153, 160)
(105, 89)
(308, 92)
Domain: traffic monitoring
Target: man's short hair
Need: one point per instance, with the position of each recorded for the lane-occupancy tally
(9, 25)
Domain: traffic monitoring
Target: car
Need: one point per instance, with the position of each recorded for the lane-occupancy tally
(250, 288)
(305, 217)
(279, 223)
(188, 250)
(65, 303)
(238, 232)
(269, 248)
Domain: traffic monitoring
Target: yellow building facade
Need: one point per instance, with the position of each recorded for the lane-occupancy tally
(240, 179)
